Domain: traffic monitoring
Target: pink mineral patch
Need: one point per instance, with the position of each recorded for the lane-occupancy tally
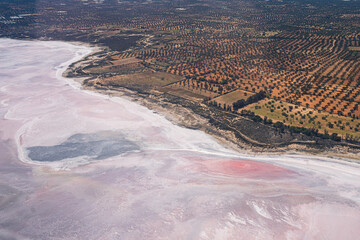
(244, 168)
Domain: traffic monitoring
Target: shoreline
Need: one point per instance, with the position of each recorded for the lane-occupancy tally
(154, 103)
(59, 74)
(240, 147)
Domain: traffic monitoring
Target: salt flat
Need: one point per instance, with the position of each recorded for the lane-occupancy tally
(79, 165)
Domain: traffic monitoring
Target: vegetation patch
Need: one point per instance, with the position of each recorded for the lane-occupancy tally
(183, 93)
(231, 97)
(354, 49)
(298, 116)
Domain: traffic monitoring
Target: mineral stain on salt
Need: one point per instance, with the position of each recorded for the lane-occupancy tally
(244, 168)
(95, 146)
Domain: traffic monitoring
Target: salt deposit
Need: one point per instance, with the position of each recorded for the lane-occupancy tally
(79, 165)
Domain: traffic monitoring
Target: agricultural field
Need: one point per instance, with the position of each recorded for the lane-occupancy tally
(139, 81)
(229, 98)
(196, 88)
(183, 93)
(356, 49)
(115, 65)
(294, 115)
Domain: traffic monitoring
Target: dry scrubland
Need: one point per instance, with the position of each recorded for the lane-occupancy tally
(303, 56)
